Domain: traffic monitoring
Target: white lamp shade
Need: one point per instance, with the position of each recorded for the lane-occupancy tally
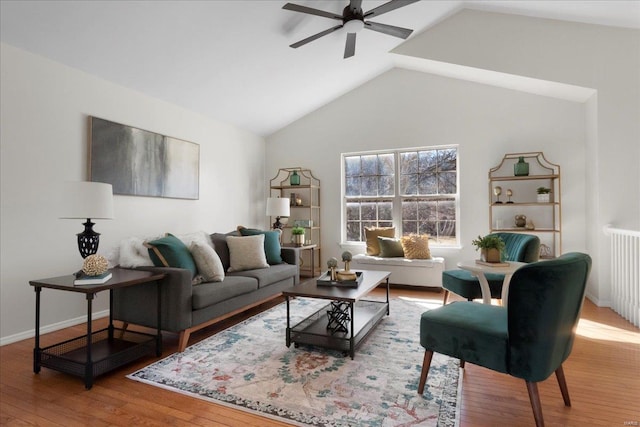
(85, 199)
(278, 206)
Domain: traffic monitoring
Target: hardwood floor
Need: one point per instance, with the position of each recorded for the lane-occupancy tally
(603, 377)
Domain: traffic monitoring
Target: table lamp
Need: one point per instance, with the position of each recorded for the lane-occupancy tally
(87, 200)
(278, 207)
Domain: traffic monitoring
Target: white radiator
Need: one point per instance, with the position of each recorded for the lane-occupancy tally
(625, 273)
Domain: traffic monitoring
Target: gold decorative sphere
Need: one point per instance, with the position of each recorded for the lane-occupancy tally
(94, 265)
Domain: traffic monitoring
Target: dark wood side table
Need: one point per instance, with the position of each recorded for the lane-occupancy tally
(100, 351)
(298, 249)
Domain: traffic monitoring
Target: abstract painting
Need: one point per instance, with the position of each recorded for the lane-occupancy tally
(141, 163)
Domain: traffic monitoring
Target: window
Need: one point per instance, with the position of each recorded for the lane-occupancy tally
(414, 190)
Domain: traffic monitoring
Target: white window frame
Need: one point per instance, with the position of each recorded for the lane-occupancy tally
(397, 198)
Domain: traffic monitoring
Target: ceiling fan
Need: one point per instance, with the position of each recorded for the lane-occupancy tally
(353, 20)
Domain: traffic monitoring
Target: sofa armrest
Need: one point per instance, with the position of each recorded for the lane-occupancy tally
(289, 256)
(138, 304)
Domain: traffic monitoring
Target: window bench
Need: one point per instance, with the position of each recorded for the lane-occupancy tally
(414, 272)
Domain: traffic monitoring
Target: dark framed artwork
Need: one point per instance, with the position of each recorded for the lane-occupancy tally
(137, 162)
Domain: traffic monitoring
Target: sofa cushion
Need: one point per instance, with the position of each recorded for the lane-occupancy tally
(416, 246)
(272, 247)
(207, 294)
(246, 252)
(390, 247)
(371, 235)
(219, 242)
(169, 251)
(208, 262)
(269, 276)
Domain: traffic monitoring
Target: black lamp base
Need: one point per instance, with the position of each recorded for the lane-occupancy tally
(278, 225)
(88, 240)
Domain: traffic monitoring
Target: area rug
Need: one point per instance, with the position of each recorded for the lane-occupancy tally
(249, 367)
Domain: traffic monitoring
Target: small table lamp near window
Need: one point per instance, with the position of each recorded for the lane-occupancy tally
(87, 200)
(278, 207)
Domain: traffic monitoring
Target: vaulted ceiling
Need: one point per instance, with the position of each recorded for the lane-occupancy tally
(231, 60)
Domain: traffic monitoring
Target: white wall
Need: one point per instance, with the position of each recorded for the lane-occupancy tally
(403, 108)
(598, 151)
(606, 59)
(44, 109)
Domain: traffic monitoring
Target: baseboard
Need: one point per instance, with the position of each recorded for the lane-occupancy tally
(51, 328)
(598, 302)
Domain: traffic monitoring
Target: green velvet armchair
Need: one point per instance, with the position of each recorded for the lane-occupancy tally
(518, 247)
(528, 339)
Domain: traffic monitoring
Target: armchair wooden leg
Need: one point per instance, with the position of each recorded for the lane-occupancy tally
(446, 297)
(462, 363)
(426, 363)
(534, 397)
(563, 386)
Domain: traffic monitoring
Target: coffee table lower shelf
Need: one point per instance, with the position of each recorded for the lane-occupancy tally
(313, 330)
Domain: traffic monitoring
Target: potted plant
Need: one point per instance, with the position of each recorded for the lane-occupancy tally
(490, 246)
(297, 235)
(543, 194)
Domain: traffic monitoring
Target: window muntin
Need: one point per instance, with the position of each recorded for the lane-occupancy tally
(422, 197)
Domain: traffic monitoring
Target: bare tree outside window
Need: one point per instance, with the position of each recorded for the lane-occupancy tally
(415, 190)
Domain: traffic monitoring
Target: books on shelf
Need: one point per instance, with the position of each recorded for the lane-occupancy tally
(92, 280)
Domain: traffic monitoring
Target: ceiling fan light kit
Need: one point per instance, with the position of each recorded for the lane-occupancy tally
(353, 20)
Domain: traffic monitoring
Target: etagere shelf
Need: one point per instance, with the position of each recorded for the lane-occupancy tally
(511, 195)
(305, 211)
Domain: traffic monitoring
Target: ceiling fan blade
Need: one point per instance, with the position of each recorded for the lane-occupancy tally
(391, 30)
(350, 46)
(388, 7)
(315, 36)
(311, 11)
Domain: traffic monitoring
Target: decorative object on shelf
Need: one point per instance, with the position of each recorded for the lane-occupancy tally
(338, 317)
(521, 220)
(308, 223)
(332, 263)
(543, 194)
(509, 195)
(545, 251)
(491, 248)
(497, 190)
(94, 265)
(294, 178)
(530, 225)
(87, 200)
(521, 168)
(297, 235)
(278, 207)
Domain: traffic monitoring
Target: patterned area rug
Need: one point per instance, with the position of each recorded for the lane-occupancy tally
(249, 367)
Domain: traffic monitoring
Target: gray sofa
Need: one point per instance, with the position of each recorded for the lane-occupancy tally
(187, 308)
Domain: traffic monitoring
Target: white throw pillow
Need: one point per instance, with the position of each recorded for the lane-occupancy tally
(133, 253)
(197, 236)
(207, 261)
(246, 252)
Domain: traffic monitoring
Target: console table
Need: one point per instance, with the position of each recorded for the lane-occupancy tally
(100, 351)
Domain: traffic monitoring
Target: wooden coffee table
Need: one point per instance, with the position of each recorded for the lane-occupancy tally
(345, 321)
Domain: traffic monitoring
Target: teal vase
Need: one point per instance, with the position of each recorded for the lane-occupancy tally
(521, 168)
(294, 179)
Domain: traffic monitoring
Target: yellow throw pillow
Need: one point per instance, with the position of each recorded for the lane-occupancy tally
(416, 246)
(371, 235)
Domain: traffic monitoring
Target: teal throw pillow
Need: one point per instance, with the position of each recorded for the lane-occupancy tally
(169, 251)
(272, 249)
(390, 247)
